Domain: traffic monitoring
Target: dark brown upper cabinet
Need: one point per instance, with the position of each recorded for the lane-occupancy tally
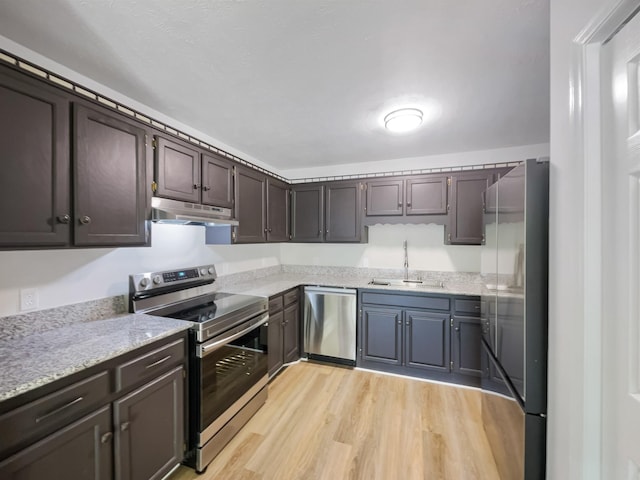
(466, 201)
(110, 188)
(343, 211)
(426, 195)
(278, 199)
(402, 200)
(177, 167)
(217, 181)
(34, 148)
(328, 212)
(250, 194)
(262, 207)
(307, 213)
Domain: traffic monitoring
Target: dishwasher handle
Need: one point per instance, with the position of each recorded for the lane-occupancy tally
(332, 291)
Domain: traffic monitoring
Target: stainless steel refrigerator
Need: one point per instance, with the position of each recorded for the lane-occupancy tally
(514, 315)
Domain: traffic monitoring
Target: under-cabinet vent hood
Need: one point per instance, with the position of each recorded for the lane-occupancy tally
(164, 210)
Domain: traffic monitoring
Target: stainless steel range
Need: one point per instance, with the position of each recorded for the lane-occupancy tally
(228, 361)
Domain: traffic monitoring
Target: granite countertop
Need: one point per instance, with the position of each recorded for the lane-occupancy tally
(34, 360)
(274, 284)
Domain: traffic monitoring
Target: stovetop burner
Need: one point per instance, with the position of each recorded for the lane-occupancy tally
(189, 295)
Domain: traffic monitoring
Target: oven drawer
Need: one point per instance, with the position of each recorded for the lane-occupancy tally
(149, 365)
(51, 412)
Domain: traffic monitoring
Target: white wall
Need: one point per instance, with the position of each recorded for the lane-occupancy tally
(70, 276)
(566, 458)
(425, 246)
(481, 157)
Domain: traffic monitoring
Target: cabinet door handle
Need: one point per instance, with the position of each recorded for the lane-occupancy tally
(205, 188)
(399, 205)
(409, 204)
(64, 219)
(124, 427)
(155, 364)
(59, 409)
(86, 220)
(399, 322)
(196, 186)
(407, 323)
(106, 438)
(457, 329)
(269, 230)
(327, 232)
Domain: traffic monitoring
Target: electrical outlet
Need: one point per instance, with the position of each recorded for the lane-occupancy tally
(28, 299)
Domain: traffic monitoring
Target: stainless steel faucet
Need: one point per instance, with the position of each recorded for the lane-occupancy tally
(406, 261)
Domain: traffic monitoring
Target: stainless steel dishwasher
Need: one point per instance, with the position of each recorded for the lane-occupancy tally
(330, 324)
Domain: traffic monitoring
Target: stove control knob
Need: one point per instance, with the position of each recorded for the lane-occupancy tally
(203, 271)
(212, 270)
(144, 282)
(157, 279)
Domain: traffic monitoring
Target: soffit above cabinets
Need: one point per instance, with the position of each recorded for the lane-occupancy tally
(300, 84)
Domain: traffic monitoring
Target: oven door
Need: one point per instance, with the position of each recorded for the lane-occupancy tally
(232, 368)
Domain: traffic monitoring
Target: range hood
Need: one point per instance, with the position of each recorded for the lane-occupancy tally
(164, 210)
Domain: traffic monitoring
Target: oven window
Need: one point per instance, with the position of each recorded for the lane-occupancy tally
(229, 372)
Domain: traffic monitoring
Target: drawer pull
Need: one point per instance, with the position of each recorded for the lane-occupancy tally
(106, 437)
(155, 364)
(59, 409)
(124, 427)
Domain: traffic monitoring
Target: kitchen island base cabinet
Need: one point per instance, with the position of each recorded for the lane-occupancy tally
(80, 451)
(150, 428)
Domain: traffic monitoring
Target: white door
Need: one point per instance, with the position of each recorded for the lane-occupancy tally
(620, 123)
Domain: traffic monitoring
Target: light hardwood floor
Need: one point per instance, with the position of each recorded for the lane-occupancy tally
(324, 422)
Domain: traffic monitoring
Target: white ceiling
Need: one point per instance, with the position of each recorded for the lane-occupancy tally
(302, 83)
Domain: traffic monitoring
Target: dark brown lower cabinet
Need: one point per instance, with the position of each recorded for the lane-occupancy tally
(149, 428)
(82, 450)
(125, 422)
(284, 330)
(422, 335)
(409, 338)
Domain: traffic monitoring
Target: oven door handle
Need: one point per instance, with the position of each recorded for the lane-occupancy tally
(215, 344)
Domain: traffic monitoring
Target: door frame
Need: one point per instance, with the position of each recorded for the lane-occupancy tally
(586, 134)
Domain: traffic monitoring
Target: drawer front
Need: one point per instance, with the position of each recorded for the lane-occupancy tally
(47, 414)
(290, 297)
(150, 365)
(275, 304)
(467, 306)
(407, 301)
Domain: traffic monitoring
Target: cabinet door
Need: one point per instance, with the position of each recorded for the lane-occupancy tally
(381, 335)
(274, 342)
(177, 170)
(217, 181)
(250, 206)
(343, 212)
(34, 145)
(426, 340)
(307, 213)
(110, 168)
(291, 340)
(81, 451)
(427, 195)
(464, 224)
(149, 428)
(466, 346)
(277, 211)
(385, 197)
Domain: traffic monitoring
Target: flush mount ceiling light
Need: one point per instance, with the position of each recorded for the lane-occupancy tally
(403, 120)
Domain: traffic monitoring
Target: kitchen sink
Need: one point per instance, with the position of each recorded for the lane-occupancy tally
(396, 282)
